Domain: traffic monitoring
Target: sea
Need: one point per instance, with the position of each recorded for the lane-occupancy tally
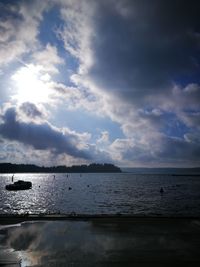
(134, 192)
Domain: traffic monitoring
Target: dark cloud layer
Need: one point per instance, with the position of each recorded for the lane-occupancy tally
(177, 149)
(40, 136)
(143, 46)
(161, 150)
(30, 110)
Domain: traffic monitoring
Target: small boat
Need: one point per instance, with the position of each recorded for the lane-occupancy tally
(19, 185)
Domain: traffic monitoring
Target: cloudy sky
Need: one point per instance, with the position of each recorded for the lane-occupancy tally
(100, 81)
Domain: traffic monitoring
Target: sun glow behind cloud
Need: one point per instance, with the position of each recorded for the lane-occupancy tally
(31, 84)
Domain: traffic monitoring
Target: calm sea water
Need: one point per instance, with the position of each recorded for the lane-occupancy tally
(125, 193)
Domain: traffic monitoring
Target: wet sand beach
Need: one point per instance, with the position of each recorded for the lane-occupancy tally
(99, 241)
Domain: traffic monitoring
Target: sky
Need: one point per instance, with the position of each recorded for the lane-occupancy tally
(115, 81)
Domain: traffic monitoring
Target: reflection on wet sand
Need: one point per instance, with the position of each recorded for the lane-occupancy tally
(103, 242)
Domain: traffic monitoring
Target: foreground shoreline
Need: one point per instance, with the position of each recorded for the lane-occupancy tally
(59, 240)
(17, 218)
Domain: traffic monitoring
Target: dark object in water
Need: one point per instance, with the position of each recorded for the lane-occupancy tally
(19, 185)
(70, 188)
(161, 190)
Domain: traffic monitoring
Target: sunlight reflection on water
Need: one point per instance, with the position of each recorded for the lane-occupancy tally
(123, 193)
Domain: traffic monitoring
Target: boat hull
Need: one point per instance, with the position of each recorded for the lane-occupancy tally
(19, 186)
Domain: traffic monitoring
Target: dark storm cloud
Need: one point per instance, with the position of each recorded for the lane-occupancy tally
(177, 149)
(143, 46)
(9, 12)
(164, 150)
(40, 136)
(30, 110)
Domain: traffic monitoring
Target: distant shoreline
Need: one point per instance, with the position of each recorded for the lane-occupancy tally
(30, 168)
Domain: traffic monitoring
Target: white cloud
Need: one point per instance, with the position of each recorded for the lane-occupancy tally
(48, 58)
(77, 31)
(19, 29)
(104, 139)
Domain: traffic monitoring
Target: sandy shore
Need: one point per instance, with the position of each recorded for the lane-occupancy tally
(99, 241)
